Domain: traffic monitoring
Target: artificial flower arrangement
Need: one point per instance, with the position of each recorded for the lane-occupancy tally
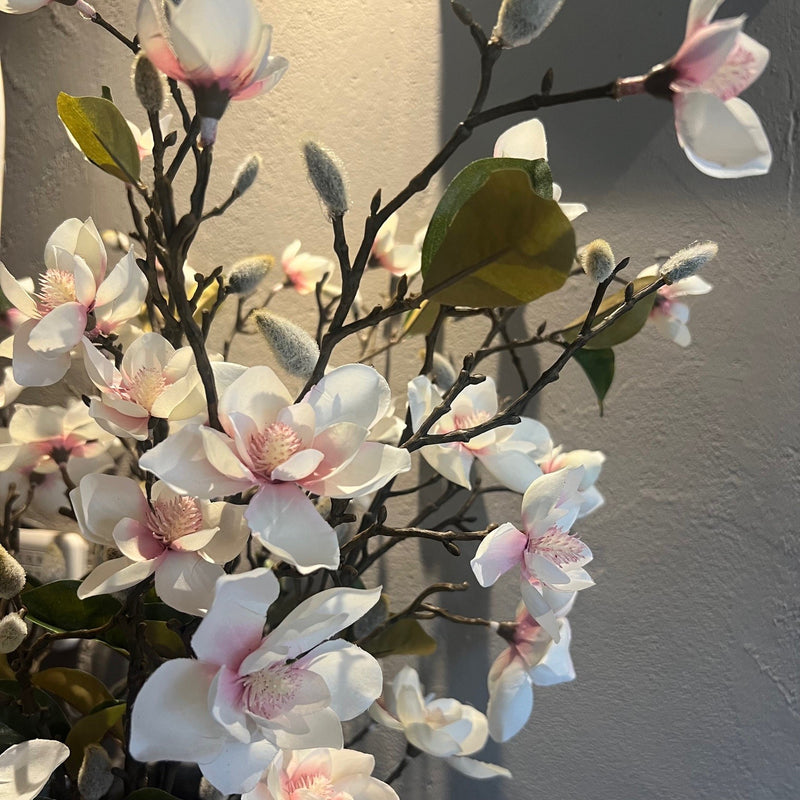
(235, 519)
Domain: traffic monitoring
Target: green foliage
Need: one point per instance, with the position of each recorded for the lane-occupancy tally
(406, 637)
(90, 730)
(103, 135)
(81, 690)
(56, 607)
(497, 238)
(29, 726)
(599, 368)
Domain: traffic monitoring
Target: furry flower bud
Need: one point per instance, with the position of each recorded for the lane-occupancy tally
(686, 262)
(292, 347)
(95, 776)
(148, 84)
(521, 21)
(597, 260)
(326, 173)
(246, 275)
(12, 575)
(246, 175)
(13, 631)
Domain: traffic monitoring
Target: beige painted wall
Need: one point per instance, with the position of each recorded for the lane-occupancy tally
(687, 649)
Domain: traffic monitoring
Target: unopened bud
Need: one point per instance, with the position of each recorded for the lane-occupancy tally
(13, 631)
(95, 776)
(148, 84)
(292, 347)
(326, 173)
(246, 275)
(246, 175)
(12, 575)
(686, 262)
(597, 260)
(521, 21)
(443, 372)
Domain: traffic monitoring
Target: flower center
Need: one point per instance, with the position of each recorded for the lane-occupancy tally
(56, 287)
(145, 387)
(272, 690)
(171, 519)
(312, 786)
(558, 547)
(271, 447)
(464, 421)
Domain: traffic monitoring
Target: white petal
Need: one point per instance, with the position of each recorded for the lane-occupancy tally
(498, 552)
(186, 581)
(79, 238)
(539, 609)
(115, 575)
(238, 766)
(103, 501)
(525, 140)
(510, 700)
(352, 393)
(451, 462)
(512, 467)
(257, 394)
(59, 330)
(232, 532)
(479, 770)
(26, 767)
(556, 666)
(16, 294)
(701, 12)
(743, 67)
(121, 295)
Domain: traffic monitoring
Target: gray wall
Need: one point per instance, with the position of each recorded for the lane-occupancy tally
(687, 649)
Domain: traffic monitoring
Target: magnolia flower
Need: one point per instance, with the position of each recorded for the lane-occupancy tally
(10, 390)
(399, 259)
(154, 380)
(26, 6)
(283, 449)
(303, 270)
(532, 658)
(669, 315)
(25, 768)
(443, 728)
(547, 555)
(144, 138)
(77, 298)
(592, 462)
(182, 540)
(528, 140)
(320, 774)
(249, 695)
(221, 50)
(509, 453)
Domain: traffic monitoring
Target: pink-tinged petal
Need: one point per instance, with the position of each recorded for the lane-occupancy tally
(36, 424)
(121, 295)
(723, 140)
(101, 370)
(556, 666)
(301, 418)
(373, 466)
(277, 66)
(258, 395)
(114, 576)
(26, 767)
(480, 398)
(192, 542)
(552, 498)
(479, 770)
(238, 766)
(501, 550)
(227, 704)
(103, 500)
(232, 532)
(80, 238)
(170, 720)
(136, 541)
(705, 52)
(744, 65)
(339, 443)
(320, 729)
(234, 626)
(16, 294)
(122, 425)
(35, 369)
(701, 12)
(510, 697)
(352, 393)
(173, 398)
(198, 461)
(59, 330)
(539, 608)
(379, 713)
(85, 281)
(154, 43)
(185, 581)
(526, 140)
(353, 676)
(298, 466)
(287, 523)
(450, 461)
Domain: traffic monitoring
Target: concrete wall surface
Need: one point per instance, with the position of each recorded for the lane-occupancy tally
(688, 648)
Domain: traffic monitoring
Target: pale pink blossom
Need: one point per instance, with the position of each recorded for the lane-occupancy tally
(547, 555)
(144, 138)
(510, 453)
(284, 449)
(183, 541)
(248, 695)
(399, 259)
(304, 270)
(440, 727)
(25, 768)
(321, 774)
(592, 462)
(77, 298)
(154, 380)
(669, 315)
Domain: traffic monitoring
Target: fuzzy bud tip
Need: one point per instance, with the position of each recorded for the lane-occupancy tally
(688, 261)
(292, 347)
(597, 260)
(13, 631)
(326, 173)
(521, 21)
(148, 84)
(246, 175)
(246, 275)
(95, 776)
(12, 575)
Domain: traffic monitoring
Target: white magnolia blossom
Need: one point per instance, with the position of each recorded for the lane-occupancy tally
(399, 259)
(25, 768)
(77, 298)
(321, 774)
(592, 462)
(533, 658)
(154, 380)
(144, 138)
(304, 270)
(181, 540)
(528, 140)
(669, 315)
(248, 695)
(443, 728)
(285, 449)
(547, 555)
(510, 453)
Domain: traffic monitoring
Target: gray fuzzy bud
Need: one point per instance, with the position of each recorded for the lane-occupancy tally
(326, 173)
(13, 631)
(686, 262)
(597, 260)
(443, 373)
(246, 175)
(292, 347)
(95, 777)
(12, 575)
(521, 21)
(148, 84)
(246, 275)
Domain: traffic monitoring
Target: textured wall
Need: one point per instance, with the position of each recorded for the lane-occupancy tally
(687, 649)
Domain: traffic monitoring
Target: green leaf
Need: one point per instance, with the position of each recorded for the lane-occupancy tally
(90, 730)
(497, 238)
(103, 135)
(164, 641)
(80, 689)
(599, 368)
(405, 638)
(56, 606)
(150, 794)
(420, 321)
(627, 326)
(12, 715)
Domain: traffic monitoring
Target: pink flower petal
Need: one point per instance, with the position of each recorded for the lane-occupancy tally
(501, 550)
